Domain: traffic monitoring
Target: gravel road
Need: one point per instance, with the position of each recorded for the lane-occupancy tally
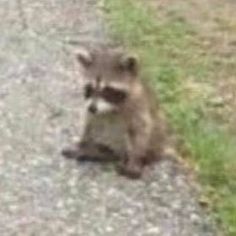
(41, 110)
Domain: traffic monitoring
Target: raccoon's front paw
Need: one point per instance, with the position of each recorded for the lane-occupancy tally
(70, 153)
(74, 151)
(130, 171)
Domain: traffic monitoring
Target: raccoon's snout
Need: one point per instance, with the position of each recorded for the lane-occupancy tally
(92, 108)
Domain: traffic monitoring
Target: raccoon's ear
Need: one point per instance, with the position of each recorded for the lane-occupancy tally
(130, 63)
(84, 57)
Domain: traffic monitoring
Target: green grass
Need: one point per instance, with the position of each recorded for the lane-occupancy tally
(172, 57)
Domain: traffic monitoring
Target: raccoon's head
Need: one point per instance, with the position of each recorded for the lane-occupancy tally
(108, 75)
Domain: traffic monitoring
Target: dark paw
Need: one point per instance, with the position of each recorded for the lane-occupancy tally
(69, 153)
(86, 158)
(132, 173)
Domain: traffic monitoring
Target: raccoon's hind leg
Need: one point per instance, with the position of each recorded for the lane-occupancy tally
(90, 151)
(139, 131)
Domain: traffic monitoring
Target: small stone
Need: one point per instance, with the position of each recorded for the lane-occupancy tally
(217, 101)
(204, 201)
(60, 204)
(71, 230)
(109, 229)
(13, 208)
(153, 230)
(195, 218)
(75, 139)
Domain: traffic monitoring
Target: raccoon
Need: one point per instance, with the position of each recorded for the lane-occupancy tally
(125, 121)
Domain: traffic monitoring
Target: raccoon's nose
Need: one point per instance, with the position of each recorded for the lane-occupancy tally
(92, 109)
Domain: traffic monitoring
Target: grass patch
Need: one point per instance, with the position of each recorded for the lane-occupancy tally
(181, 73)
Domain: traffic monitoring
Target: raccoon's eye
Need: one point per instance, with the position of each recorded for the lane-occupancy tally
(114, 95)
(88, 91)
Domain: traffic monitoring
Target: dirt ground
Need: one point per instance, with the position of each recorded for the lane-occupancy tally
(41, 110)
